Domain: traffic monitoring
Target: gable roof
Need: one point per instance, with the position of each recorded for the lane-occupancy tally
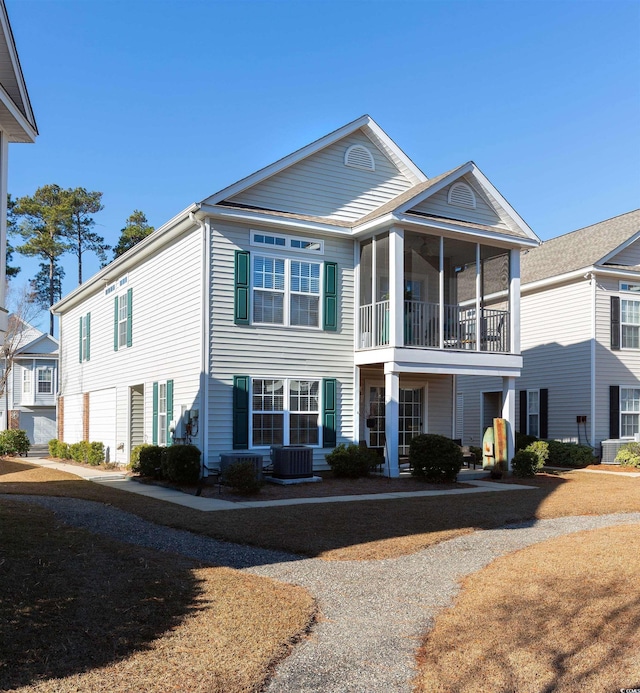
(27, 336)
(587, 247)
(16, 114)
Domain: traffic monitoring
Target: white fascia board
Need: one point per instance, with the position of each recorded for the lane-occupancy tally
(520, 222)
(619, 249)
(231, 214)
(287, 161)
(29, 130)
(146, 247)
(451, 227)
(17, 69)
(422, 196)
(393, 151)
(373, 225)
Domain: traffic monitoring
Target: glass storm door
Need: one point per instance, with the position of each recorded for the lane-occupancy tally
(410, 417)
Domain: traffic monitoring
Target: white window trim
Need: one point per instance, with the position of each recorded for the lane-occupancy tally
(530, 413)
(628, 324)
(624, 286)
(286, 412)
(122, 344)
(84, 337)
(27, 379)
(39, 370)
(287, 243)
(630, 413)
(286, 309)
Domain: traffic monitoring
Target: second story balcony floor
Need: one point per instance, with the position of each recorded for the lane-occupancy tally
(418, 290)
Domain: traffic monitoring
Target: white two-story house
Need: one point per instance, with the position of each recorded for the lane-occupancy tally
(28, 401)
(580, 342)
(333, 296)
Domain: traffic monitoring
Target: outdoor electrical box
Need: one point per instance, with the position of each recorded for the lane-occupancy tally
(581, 419)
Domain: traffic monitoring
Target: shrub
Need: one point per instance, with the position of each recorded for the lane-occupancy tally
(94, 453)
(629, 455)
(477, 452)
(134, 459)
(181, 464)
(242, 477)
(14, 442)
(59, 449)
(53, 447)
(569, 454)
(77, 451)
(523, 440)
(540, 448)
(435, 458)
(525, 463)
(352, 461)
(150, 463)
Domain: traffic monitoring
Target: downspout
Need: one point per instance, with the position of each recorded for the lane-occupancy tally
(592, 279)
(204, 341)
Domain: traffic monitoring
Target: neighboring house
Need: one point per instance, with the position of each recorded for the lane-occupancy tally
(309, 303)
(580, 341)
(30, 395)
(17, 124)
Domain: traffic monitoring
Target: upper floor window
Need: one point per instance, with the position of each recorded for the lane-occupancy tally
(45, 381)
(630, 324)
(277, 241)
(286, 292)
(26, 381)
(122, 320)
(85, 337)
(633, 287)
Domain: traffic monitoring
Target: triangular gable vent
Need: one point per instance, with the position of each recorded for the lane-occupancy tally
(358, 156)
(461, 195)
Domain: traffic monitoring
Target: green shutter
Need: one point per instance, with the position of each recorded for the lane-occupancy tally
(115, 323)
(129, 317)
(169, 409)
(80, 340)
(88, 354)
(240, 412)
(154, 425)
(329, 411)
(330, 312)
(241, 300)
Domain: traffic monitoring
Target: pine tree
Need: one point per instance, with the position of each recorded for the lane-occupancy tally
(136, 229)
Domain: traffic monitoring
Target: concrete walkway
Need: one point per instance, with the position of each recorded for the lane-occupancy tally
(119, 480)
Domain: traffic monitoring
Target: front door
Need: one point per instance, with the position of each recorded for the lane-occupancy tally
(410, 422)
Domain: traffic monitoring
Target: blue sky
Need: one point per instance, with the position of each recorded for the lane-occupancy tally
(161, 103)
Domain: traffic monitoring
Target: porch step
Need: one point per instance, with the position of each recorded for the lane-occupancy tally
(472, 474)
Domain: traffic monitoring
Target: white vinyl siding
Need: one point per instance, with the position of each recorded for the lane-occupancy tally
(630, 256)
(272, 351)
(323, 186)
(612, 368)
(73, 408)
(102, 420)
(438, 205)
(167, 306)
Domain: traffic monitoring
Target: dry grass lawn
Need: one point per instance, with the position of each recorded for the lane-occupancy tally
(560, 616)
(80, 612)
(373, 529)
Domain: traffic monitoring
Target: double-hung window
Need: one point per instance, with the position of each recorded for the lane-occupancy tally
(533, 413)
(122, 324)
(162, 413)
(629, 411)
(27, 376)
(285, 412)
(286, 291)
(123, 304)
(45, 381)
(85, 337)
(630, 324)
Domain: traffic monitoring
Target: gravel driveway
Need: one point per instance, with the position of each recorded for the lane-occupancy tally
(373, 612)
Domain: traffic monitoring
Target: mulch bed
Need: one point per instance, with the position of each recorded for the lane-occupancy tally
(329, 486)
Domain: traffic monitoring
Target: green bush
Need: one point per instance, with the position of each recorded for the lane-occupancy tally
(181, 464)
(352, 461)
(435, 458)
(77, 451)
(150, 463)
(523, 440)
(53, 447)
(569, 454)
(59, 449)
(134, 459)
(540, 448)
(14, 442)
(94, 453)
(242, 477)
(629, 455)
(525, 463)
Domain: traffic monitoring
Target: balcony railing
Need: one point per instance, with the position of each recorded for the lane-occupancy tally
(422, 326)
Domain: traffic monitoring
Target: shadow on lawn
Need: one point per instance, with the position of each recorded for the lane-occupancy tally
(70, 602)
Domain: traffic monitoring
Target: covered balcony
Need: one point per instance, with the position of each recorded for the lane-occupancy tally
(418, 290)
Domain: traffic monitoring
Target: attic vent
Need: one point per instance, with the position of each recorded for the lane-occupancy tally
(358, 156)
(461, 195)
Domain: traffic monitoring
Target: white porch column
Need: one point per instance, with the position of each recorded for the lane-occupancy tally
(514, 301)
(509, 413)
(391, 413)
(396, 287)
